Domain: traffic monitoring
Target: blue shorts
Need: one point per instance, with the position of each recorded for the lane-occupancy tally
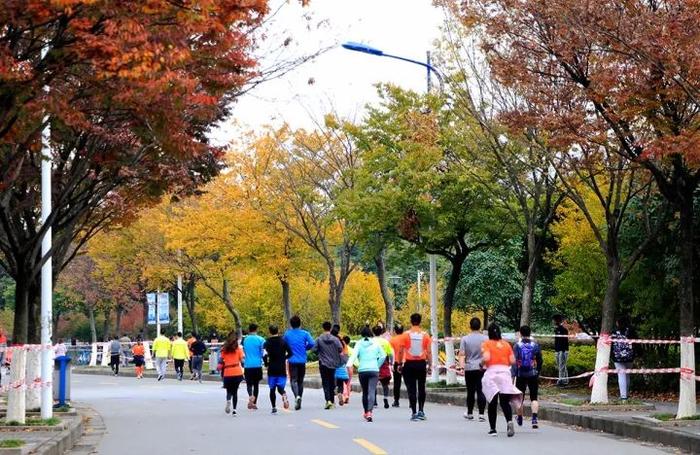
(277, 381)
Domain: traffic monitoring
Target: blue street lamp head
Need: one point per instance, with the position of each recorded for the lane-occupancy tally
(358, 47)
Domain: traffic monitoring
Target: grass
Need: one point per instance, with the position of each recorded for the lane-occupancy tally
(573, 401)
(443, 385)
(666, 417)
(53, 421)
(11, 443)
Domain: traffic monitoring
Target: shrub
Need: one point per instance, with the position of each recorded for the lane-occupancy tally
(581, 360)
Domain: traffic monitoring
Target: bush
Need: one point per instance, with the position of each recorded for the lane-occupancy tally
(581, 360)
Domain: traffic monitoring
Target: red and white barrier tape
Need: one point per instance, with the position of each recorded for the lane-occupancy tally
(684, 371)
(26, 347)
(606, 339)
(22, 385)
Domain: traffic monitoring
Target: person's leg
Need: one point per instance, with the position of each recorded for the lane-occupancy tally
(364, 384)
(249, 382)
(327, 376)
(521, 384)
(273, 392)
(372, 380)
(421, 375)
(562, 360)
(236, 383)
(385, 391)
(470, 380)
(480, 398)
(493, 412)
(534, 405)
(300, 377)
(397, 384)
(505, 407)
(409, 377)
(294, 378)
(623, 379)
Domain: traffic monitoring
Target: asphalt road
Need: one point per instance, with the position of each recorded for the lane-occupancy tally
(170, 417)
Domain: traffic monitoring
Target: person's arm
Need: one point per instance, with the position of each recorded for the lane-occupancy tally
(309, 341)
(511, 359)
(314, 346)
(390, 354)
(429, 354)
(353, 358)
(381, 356)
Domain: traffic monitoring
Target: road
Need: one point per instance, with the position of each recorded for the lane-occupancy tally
(170, 417)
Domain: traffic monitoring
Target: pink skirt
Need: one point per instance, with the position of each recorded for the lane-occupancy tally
(497, 379)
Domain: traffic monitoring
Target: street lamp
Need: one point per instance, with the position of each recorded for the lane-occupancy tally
(365, 49)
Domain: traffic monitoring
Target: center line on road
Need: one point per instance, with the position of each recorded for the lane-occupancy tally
(325, 424)
(371, 448)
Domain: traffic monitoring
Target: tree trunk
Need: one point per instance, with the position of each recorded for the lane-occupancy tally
(599, 392)
(386, 296)
(232, 309)
(333, 301)
(450, 290)
(687, 400)
(286, 301)
(105, 326)
(533, 261)
(34, 311)
(190, 302)
(93, 329)
(55, 320)
(485, 322)
(21, 320)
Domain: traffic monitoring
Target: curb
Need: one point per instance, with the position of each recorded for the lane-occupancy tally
(63, 441)
(626, 429)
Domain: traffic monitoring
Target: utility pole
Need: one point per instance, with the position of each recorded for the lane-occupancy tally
(157, 314)
(435, 376)
(419, 304)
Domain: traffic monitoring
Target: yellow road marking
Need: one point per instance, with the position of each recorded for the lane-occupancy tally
(325, 424)
(371, 448)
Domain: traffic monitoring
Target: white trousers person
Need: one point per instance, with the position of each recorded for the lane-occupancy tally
(623, 379)
(161, 365)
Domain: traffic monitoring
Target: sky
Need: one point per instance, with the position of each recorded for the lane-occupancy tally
(338, 80)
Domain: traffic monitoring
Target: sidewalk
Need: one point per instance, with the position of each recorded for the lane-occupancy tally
(627, 421)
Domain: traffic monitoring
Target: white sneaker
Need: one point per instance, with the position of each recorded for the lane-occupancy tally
(468, 416)
(482, 418)
(228, 407)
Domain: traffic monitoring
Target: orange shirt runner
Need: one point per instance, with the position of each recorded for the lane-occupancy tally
(415, 344)
(396, 344)
(500, 352)
(138, 350)
(233, 363)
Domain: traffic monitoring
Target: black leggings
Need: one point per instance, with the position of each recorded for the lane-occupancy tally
(179, 366)
(505, 407)
(273, 395)
(253, 376)
(114, 363)
(397, 382)
(414, 373)
(231, 385)
(368, 382)
(327, 381)
(473, 380)
(297, 371)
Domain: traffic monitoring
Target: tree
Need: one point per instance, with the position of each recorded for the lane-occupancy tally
(626, 72)
(134, 89)
(295, 178)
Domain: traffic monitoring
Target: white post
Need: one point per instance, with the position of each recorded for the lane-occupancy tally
(419, 304)
(46, 270)
(686, 400)
(93, 355)
(32, 373)
(599, 394)
(105, 354)
(157, 315)
(451, 362)
(435, 376)
(179, 303)
(147, 356)
(15, 398)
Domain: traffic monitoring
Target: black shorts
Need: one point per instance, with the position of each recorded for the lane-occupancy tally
(253, 374)
(139, 361)
(531, 383)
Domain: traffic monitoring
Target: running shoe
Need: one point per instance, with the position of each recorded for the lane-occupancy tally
(511, 429)
(297, 404)
(386, 403)
(368, 417)
(234, 413)
(228, 407)
(519, 419)
(347, 400)
(468, 416)
(421, 415)
(414, 417)
(160, 377)
(285, 402)
(329, 405)
(274, 411)
(535, 425)
(341, 400)
(395, 404)
(250, 402)
(482, 418)
(493, 433)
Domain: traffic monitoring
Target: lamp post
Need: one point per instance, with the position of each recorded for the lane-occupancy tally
(365, 49)
(46, 268)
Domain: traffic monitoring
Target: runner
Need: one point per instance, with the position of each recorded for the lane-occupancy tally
(198, 348)
(276, 353)
(161, 350)
(370, 357)
(190, 340)
(561, 349)
(470, 360)
(623, 353)
(139, 358)
(180, 352)
(231, 366)
(299, 341)
(417, 361)
(253, 349)
(396, 341)
(348, 351)
(385, 369)
(328, 347)
(497, 383)
(115, 350)
(528, 363)
(341, 373)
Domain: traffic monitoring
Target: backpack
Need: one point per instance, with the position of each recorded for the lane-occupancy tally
(526, 360)
(416, 348)
(622, 350)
